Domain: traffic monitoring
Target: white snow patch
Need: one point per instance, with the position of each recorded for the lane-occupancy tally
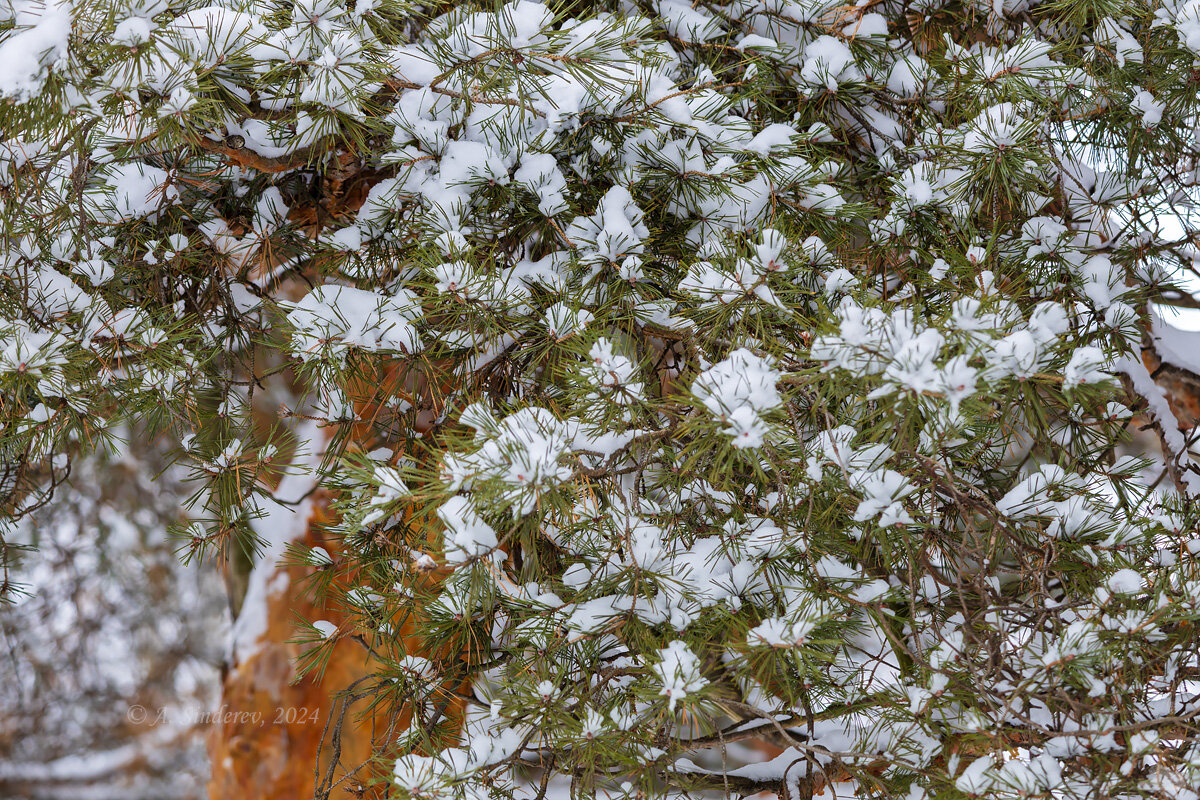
(279, 525)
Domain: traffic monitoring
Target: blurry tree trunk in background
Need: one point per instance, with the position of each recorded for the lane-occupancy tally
(1173, 359)
(279, 737)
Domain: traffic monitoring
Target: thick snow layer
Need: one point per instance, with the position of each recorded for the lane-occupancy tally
(208, 34)
(135, 190)
(40, 40)
(1176, 347)
(344, 316)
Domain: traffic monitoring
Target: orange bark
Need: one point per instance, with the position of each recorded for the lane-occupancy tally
(276, 735)
(273, 735)
(277, 739)
(1181, 386)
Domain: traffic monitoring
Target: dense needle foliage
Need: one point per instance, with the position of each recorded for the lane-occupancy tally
(697, 380)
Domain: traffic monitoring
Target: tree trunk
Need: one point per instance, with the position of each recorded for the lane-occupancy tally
(277, 736)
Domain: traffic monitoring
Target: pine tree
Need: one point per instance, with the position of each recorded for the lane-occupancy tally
(724, 397)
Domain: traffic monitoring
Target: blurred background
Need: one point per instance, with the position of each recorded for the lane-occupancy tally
(111, 645)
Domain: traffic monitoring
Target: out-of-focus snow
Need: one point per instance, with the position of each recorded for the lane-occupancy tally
(113, 646)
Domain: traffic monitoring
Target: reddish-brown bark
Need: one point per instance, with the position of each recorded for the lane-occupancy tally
(274, 735)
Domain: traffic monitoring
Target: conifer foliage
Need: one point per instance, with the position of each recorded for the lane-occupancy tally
(722, 396)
